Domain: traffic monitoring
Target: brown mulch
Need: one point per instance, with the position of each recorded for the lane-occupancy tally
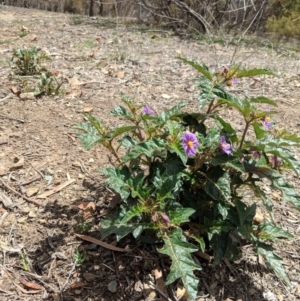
(98, 58)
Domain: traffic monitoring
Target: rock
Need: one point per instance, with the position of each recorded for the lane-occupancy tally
(112, 286)
(32, 191)
(81, 176)
(32, 214)
(21, 220)
(25, 209)
(89, 277)
(6, 201)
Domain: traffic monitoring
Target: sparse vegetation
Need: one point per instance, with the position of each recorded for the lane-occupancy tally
(27, 61)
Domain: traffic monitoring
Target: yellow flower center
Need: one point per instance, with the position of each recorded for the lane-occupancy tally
(190, 143)
(267, 119)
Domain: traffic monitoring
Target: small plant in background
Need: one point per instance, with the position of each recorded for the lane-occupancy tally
(48, 84)
(28, 61)
(82, 227)
(24, 262)
(79, 257)
(182, 175)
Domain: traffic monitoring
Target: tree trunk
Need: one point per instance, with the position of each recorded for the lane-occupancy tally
(91, 12)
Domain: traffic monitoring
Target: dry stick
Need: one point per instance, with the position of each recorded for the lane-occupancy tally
(39, 279)
(118, 275)
(10, 118)
(20, 194)
(3, 217)
(6, 292)
(6, 97)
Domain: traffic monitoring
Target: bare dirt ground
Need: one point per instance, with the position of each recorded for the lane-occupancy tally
(39, 152)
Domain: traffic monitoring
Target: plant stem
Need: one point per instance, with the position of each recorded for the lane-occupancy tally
(244, 134)
(110, 147)
(210, 106)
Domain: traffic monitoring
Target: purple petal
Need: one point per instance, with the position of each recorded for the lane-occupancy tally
(190, 143)
(148, 111)
(165, 217)
(225, 147)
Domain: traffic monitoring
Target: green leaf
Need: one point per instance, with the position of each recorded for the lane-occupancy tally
(252, 72)
(219, 244)
(246, 231)
(228, 161)
(122, 112)
(181, 215)
(133, 211)
(263, 100)
(286, 155)
(258, 130)
(288, 192)
(191, 120)
(219, 190)
(128, 101)
(128, 142)
(183, 265)
(200, 240)
(266, 201)
(242, 105)
(165, 186)
(232, 252)
(122, 130)
(117, 180)
(125, 183)
(201, 68)
(115, 225)
(147, 148)
(246, 213)
(179, 150)
(169, 114)
(227, 127)
(270, 232)
(217, 227)
(272, 260)
(90, 137)
(96, 123)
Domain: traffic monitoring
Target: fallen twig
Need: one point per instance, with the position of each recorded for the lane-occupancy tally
(56, 189)
(3, 217)
(11, 118)
(30, 181)
(101, 243)
(6, 97)
(19, 194)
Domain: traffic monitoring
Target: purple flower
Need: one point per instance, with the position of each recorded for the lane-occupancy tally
(255, 154)
(225, 147)
(267, 123)
(165, 218)
(190, 143)
(235, 80)
(148, 111)
(276, 163)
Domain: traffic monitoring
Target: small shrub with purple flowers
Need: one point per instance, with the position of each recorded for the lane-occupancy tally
(182, 178)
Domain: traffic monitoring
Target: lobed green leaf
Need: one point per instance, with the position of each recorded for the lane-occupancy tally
(183, 265)
(272, 260)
